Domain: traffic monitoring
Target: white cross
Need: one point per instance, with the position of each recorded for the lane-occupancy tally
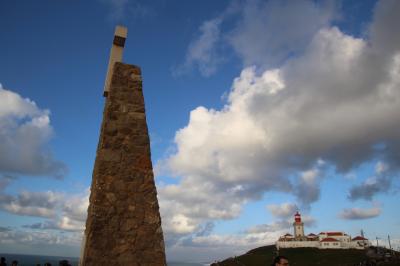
(115, 54)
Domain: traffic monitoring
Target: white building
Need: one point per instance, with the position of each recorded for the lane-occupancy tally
(324, 240)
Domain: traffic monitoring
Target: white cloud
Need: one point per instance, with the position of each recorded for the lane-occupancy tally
(180, 224)
(25, 131)
(185, 207)
(358, 214)
(331, 104)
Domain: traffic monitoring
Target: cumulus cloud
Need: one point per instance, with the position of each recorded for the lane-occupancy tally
(329, 105)
(359, 214)
(25, 131)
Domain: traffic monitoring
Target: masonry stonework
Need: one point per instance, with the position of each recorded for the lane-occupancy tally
(123, 226)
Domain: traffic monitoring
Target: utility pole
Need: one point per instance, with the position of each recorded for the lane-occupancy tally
(390, 246)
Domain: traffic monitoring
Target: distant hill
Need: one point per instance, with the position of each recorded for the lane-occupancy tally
(263, 256)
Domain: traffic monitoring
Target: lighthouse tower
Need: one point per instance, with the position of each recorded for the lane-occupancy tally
(298, 226)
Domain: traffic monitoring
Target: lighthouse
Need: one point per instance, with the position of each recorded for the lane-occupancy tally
(298, 226)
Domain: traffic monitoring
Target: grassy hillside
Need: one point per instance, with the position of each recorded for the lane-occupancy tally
(263, 256)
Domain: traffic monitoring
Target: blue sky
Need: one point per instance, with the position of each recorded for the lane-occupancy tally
(255, 109)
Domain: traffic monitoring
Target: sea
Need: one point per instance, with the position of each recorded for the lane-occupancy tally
(36, 260)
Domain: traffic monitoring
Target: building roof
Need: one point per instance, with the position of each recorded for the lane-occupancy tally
(359, 238)
(311, 234)
(287, 235)
(329, 239)
(333, 233)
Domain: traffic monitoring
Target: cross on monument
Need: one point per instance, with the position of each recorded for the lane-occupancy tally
(116, 53)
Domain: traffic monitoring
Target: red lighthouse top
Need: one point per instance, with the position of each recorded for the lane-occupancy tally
(297, 217)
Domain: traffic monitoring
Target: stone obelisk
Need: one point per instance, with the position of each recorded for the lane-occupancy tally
(123, 226)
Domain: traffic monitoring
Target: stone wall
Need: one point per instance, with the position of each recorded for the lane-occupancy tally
(123, 225)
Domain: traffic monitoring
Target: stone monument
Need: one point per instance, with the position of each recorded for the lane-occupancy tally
(123, 226)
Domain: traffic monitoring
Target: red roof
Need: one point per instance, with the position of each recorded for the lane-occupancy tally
(288, 235)
(334, 233)
(359, 238)
(329, 239)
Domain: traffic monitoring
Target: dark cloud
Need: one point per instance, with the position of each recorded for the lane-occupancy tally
(283, 211)
(4, 229)
(43, 226)
(64, 213)
(39, 204)
(381, 182)
(270, 31)
(40, 242)
(370, 188)
(264, 228)
(5, 180)
(308, 189)
(206, 229)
